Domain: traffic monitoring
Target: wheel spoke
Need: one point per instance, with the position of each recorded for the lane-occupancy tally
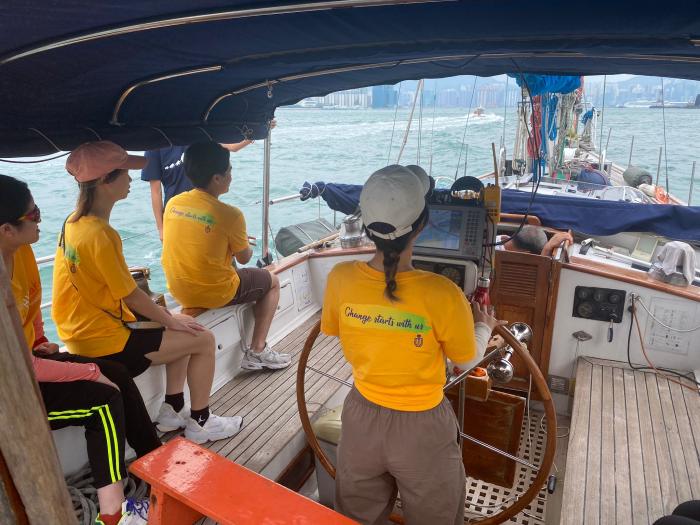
(329, 376)
(499, 451)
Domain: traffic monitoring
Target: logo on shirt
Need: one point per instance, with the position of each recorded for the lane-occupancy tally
(418, 341)
(194, 215)
(385, 318)
(71, 255)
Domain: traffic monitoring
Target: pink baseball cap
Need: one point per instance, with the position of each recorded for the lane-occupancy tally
(94, 160)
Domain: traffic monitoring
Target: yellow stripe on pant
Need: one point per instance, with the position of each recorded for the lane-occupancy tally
(110, 433)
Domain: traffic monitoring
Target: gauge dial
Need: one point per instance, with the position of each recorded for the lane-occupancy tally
(615, 298)
(452, 274)
(583, 293)
(600, 296)
(585, 309)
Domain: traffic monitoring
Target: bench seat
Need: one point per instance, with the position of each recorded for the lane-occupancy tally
(633, 447)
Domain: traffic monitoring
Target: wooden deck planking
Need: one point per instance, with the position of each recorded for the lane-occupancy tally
(267, 399)
(636, 460)
(645, 458)
(652, 482)
(275, 405)
(591, 508)
(691, 405)
(669, 498)
(607, 455)
(575, 486)
(623, 497)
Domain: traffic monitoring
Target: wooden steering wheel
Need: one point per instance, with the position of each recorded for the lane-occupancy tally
(539, 381)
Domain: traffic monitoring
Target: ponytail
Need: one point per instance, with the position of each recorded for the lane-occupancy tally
(391, 250)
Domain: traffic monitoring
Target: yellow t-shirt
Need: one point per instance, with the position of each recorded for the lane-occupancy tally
(397, 350)
(26, 287)
(200, 236)
(89, 282)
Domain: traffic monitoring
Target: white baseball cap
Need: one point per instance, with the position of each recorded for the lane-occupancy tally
(392, 199)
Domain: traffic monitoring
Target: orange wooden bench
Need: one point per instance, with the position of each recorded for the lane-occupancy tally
(189, 482)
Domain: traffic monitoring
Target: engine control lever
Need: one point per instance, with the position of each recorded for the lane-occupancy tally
(613, 318)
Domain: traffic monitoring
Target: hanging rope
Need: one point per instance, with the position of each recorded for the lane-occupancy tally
(602, 119)
(432, 129)
(393, 126)
(663, 116)
(420, 126)
(505, 113)
(410, 120)
(464, 135)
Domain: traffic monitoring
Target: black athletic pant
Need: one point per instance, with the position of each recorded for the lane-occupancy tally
(687, 513)
(139, 429)
(99, 409)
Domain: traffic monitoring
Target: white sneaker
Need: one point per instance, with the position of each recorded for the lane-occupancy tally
(134, 512)
(168, 420)
(216, 427)
(268, 358)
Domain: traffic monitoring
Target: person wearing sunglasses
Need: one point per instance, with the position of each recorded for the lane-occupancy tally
(95, 300)
(99, 395)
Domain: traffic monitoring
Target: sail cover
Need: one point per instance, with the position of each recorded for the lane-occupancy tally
(146, 74)
(589, 216)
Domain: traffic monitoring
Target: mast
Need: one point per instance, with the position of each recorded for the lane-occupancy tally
(26, 445)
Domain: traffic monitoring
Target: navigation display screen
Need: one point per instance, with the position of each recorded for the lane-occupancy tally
(443, 230)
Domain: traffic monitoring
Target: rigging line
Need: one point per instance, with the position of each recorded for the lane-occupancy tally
(672, 328)
(432, 128)
(410, 120)
(420, 125)
(505, 113)
(393, 126)
(602, 120)
(466, 125)
(663, 116)
(34, 161)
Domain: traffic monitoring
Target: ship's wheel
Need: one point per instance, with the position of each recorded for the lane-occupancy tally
(517, 504)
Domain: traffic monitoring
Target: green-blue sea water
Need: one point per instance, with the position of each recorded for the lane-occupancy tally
(347, 146)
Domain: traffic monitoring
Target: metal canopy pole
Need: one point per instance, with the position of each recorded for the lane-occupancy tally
(265, 258)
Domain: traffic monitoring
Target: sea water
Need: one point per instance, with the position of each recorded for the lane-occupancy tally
(336, 145)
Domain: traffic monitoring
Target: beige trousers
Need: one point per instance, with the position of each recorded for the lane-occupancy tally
(383, 451)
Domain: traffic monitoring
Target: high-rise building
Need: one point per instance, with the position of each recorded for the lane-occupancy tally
(383, 97)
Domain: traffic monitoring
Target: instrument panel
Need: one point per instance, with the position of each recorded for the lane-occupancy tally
(462, 273)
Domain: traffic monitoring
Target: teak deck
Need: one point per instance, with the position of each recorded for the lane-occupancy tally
(267, 399)
(633, 448)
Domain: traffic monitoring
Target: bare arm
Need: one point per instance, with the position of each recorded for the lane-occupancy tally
(555, 241)
(244, 255)
(157, 205)
(238, 146)
(141, 303)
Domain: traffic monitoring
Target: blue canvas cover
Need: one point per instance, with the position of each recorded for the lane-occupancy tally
(589, 216)
(150, 74)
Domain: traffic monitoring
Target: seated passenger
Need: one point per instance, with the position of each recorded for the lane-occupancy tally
(397, 326)
(94, 296)
(75, 392)
(532, 239)
(202, 238)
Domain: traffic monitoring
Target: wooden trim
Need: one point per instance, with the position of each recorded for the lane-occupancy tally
(26, 444)
(298, 471)
(287, 262)
(337, 252)
(629, 275)
(517, 217)
(550, 317)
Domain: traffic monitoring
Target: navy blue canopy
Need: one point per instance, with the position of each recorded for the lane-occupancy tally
(589, 216)
(151, 72)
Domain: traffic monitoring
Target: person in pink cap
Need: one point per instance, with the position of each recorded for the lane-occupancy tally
(95, 300)
(95, 394)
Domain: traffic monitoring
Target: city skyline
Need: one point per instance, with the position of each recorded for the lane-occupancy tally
(490, 92)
